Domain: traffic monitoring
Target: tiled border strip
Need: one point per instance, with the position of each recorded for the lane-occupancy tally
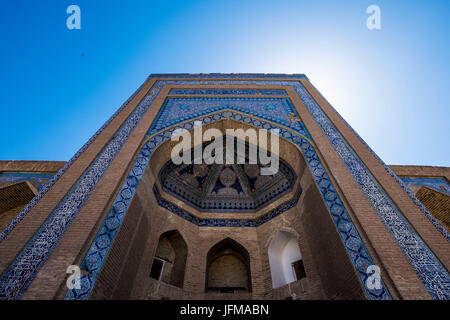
(247, 105)
(433, 220)
(427, 266)
(55, 178)
(98, 252)
(294, 76)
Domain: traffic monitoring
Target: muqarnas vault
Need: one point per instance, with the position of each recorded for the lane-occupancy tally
(334, 222)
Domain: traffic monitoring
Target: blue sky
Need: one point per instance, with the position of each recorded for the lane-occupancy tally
(58, 86)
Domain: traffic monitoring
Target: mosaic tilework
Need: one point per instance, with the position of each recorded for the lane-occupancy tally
(430, 217)
(226, 222)
(17, 277)
(430, 271)
(278, 110)
(436, 183)
(98, 251)
(37, 179)
(235, 92)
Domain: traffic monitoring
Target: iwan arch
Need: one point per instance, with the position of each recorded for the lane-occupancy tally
(141, 228)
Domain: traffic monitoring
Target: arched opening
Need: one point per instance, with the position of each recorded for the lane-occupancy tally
(238, 186)
(285, 259)
(228, 268)
(170, 259)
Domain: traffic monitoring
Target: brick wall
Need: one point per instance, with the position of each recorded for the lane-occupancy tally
(13, 198)
(437, 203)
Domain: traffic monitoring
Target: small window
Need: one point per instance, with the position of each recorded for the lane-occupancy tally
(299, 269)
(157, 268)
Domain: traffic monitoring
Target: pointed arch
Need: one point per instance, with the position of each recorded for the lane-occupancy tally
(228, 268)
(169, 262)
(285, 259)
